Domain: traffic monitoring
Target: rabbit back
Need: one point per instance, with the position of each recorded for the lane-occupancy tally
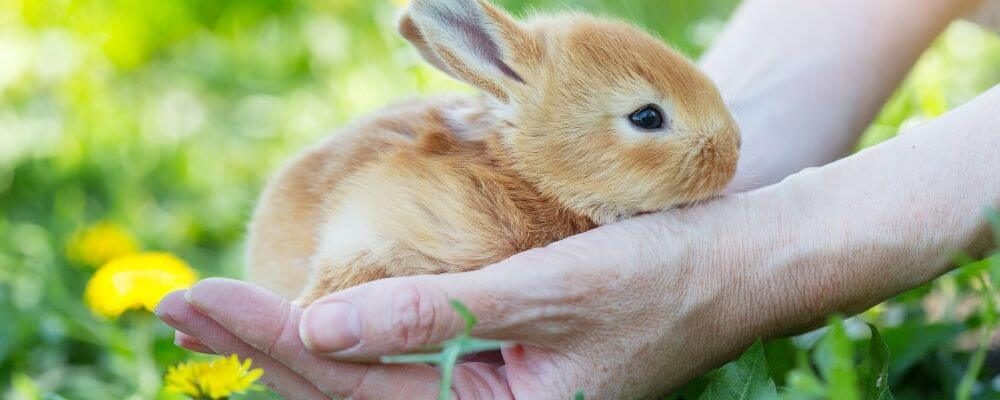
(427, 188)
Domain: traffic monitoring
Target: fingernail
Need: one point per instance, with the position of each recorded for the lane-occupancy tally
(167, 305)
(331, 327)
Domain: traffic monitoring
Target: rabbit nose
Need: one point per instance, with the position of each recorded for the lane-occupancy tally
(724, 143)
(720, 152)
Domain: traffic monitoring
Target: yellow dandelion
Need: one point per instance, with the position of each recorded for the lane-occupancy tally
(400, 3)
(101, 243)
(135, 282)
(216, 379)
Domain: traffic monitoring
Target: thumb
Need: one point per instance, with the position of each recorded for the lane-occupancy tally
(511, 301)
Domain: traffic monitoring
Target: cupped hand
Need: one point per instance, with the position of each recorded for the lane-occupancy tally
(623, 311)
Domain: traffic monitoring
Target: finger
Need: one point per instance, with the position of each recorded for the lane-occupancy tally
(529, 298)
(192, 343)
(270, 325)
(176, 312)
(481, 381)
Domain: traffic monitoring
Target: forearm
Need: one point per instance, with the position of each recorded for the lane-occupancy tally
(805, 78)
(849, 235)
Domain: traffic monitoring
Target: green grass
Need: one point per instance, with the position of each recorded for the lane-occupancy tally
(166, 117)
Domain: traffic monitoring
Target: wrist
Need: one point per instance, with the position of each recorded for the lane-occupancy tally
(746, 238)
(844, 237)
(824, 242)
(717, 247)
(753, 254)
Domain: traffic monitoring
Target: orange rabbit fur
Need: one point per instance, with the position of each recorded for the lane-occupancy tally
(554, 146)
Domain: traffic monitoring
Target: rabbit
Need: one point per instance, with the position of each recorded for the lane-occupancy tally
(581, 122)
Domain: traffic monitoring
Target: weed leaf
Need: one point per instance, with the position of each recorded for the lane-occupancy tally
(874, 371)
(834, 357)
(747, 378)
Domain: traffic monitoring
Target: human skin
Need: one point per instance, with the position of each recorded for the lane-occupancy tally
(638, 308)
(804, 79)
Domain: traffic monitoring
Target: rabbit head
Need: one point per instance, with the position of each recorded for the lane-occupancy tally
(596, 113)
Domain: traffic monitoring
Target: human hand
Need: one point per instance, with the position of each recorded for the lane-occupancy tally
(636, 308)
(618, 312)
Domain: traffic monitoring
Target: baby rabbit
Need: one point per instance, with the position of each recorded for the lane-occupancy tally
(581, 122)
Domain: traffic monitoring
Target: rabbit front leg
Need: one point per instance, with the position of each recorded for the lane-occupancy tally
(332, 277)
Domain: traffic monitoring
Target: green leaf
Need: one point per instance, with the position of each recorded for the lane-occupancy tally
(692, 390)
(993, 269)
(802, 384)
(781, 357)
(834, 356)
(744, 379)
(913, 341)
(802, 381)
(468, 316)
(874, 371)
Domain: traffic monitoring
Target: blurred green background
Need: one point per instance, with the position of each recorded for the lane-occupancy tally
(166, 117)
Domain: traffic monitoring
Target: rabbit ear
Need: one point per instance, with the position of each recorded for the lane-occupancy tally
(471, 40)
(408, 29)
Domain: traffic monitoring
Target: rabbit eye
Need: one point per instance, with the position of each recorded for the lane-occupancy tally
(648, 117)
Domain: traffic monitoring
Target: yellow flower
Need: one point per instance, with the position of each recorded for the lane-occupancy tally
(400, 3)
(101, 243)
(136, 281)
(216, 379)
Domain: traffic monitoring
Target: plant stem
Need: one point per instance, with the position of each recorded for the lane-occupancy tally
(148, 377)
(964, 391)
(450, 356)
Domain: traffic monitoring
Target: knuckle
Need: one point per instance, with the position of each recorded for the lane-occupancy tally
(285, 328)
(414, 316)
(475, 381)
(360, 386)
